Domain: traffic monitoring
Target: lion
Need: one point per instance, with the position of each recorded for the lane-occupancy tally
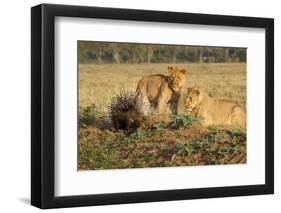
(159, 90)
(212, 111)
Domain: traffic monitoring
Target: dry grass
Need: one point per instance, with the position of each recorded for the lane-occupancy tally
(98, 83)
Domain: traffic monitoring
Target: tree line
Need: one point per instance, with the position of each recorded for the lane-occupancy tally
(106, 52)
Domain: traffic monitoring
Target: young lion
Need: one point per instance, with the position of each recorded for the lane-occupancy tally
(213, 111)
(159, 90)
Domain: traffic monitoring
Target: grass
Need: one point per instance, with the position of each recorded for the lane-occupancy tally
(181, 142)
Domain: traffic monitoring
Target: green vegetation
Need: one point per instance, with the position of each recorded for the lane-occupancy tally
(182, 120)
(181, 142)
(216, 146)
(108, 52)
(87, 115)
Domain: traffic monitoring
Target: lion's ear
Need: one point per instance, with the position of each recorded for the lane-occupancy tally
(197, 91)
(183, 71)
(170, 69)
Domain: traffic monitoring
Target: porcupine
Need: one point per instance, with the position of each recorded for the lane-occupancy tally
(125, 111)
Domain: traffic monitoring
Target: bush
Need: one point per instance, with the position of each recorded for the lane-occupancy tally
(135, 137)
(187, 148)
(87, 115)
(159, 127)
(182, 120)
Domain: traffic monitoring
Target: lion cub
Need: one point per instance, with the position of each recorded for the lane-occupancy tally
(214, 111)
(159, 90)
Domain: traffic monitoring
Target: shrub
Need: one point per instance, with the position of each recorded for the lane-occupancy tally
(187, 148)
(87, 115)
(182, 120)
(135, 137)
(159, 127)
(236, 133)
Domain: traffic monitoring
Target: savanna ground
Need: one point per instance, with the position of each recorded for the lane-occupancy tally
(181, 142)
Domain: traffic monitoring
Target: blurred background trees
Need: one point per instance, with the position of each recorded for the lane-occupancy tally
(108, 52)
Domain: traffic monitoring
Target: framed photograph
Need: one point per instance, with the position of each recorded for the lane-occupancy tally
(139, 106)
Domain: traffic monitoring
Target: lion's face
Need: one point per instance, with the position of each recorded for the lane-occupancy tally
(192, 99)
(177, 78)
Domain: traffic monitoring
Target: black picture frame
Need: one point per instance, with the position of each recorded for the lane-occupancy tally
(43, 102)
